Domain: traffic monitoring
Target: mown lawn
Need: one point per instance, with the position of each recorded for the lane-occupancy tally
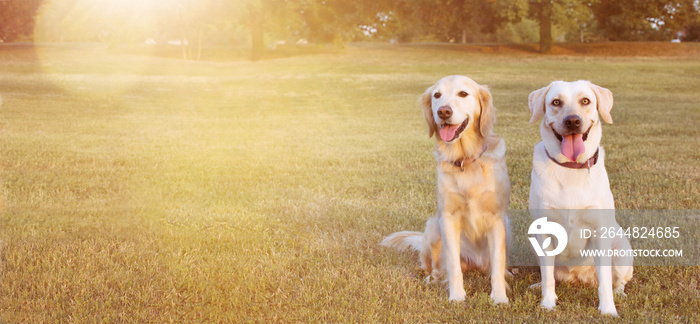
(144, 189)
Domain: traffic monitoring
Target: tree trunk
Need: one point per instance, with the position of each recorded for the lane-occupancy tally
(257, 32)
(184, 31)
(545, 18)
(184, 51)
(183, 43)
(461, 4)
(199, 43)
(189, 50)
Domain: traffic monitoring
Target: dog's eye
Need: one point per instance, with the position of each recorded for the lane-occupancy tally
(556, 102)
(437, 95)
(463, 94)
(585, 101)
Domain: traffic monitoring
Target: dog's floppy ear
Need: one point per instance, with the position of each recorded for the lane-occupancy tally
(488, 112)
(604, 98)
(536, 102)
(426, 105)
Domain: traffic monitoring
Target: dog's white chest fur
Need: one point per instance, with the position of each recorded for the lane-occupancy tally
(557, 187)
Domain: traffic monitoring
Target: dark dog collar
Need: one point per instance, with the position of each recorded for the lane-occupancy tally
(575, 165)
(461, 164)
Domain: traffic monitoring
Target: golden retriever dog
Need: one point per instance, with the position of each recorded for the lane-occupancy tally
(470, 228)
(571, 188)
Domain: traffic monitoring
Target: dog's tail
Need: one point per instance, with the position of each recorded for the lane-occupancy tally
(405, 240)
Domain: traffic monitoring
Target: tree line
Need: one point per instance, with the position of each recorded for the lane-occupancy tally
(259, 24)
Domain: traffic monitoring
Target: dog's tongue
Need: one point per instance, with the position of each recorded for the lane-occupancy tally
(572, 146)
(447, 132)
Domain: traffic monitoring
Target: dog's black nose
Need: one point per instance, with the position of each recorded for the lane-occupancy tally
(444, 112)
(572, 122)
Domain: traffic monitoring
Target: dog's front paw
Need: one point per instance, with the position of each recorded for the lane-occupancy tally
(620, 291)
(457, 295)
(499, 299)
(608, 310)
(549, 303)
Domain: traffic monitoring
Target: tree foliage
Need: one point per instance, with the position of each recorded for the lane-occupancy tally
(629, 20)
(332, 21)
(94, 21)
(450, 20)
(570, 14)
(17, 19)
(198, 22)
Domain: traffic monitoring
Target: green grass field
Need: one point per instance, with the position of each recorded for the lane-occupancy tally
(152, 190)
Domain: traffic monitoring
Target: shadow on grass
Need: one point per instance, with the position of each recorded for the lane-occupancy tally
(604, 49)
(227, 53)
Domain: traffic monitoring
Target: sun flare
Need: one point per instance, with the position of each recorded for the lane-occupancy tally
(110, 22)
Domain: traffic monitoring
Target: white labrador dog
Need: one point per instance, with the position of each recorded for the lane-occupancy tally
(470, 226)
(570, 186)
